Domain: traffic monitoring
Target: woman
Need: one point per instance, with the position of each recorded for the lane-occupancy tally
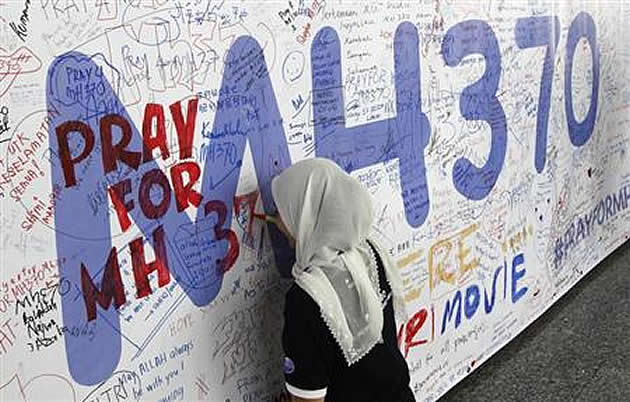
(339, 333)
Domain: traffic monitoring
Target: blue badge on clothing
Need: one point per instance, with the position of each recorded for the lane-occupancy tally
(289, 367)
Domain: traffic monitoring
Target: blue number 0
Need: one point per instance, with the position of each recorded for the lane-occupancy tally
(478, 102)
(582, 26)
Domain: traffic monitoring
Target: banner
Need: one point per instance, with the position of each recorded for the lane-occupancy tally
(138, 139)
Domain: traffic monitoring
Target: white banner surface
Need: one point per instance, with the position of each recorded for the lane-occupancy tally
(138, 138)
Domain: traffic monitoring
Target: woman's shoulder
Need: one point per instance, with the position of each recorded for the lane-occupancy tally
(300, 309)
(297, 299)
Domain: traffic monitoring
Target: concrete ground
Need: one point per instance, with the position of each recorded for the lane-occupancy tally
(579, 350)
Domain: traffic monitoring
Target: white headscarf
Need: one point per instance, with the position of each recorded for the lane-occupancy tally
(329, 214)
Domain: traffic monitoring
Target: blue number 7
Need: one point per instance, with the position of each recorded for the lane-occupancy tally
(478, 102)
(533, 32)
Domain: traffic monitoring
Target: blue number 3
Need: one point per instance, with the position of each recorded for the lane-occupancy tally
(478, 102)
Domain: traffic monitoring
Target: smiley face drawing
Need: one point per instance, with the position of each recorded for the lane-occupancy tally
(293, 66)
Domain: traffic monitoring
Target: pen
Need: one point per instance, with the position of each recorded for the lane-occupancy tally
(266, 218)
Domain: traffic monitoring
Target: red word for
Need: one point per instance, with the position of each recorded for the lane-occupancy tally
(153, 137)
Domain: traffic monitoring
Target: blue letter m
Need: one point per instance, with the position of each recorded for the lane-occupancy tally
(83, 235)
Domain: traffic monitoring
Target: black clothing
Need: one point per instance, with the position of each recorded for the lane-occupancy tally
(314, 361)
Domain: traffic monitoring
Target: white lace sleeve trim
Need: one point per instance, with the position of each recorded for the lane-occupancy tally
(306, 394)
